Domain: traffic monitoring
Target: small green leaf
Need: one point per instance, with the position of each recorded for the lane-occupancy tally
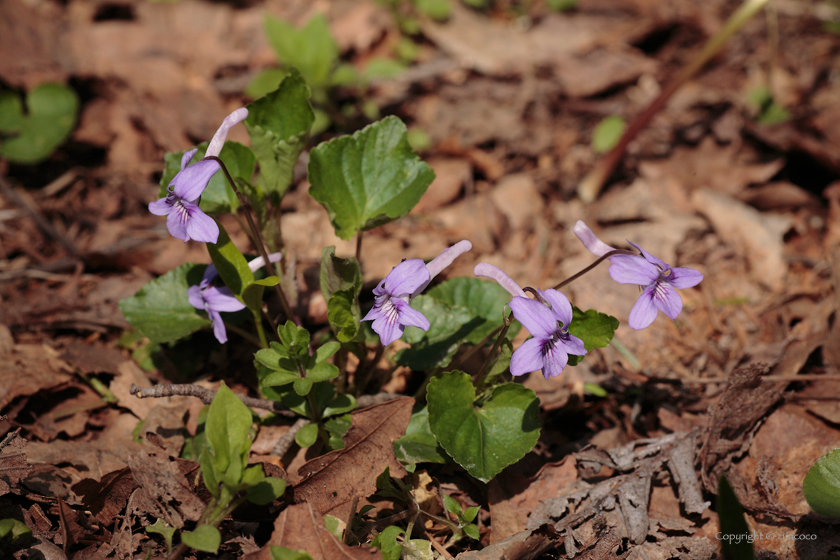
(595, 390)
(33, 134)
(230, 263)
(435, 9)
(307, 435)
(161, 311)
(282, 553)
(266, 491)
(471, 531)
(419, 444)
(339, 273)
(337, 426)
(322, 372)
(451, 505)
(326, 351)
(344, 314)
(386, 542)
(205, 538)
(822, 485)
(470, 513)
(607, 134)
(265, 82)
(253, 293)
(227, 427)
(333, 525)
(383, 68)
(368, 179)
(162, 528)
(595, 329)
(733, 525)
(302, 386)
(484, 438)
(279, 124)
(312, 50)
(208, 471)
(338, 405)
(13, 529)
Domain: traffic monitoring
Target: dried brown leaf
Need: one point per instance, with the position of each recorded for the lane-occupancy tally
(106, 498)
(13, 465)
(301, 527)
(331, 481)
(167, 492)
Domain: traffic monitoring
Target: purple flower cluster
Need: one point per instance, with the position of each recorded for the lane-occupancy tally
(184, 218)
(216, 299)
(391, 311)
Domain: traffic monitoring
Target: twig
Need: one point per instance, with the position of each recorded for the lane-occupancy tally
(10, 193)
(438, 546)
(594, 181)
(9, 437)
(284, 443)
(709, 380)
(206, 396)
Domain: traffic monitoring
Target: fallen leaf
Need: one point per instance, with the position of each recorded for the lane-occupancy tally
(301, 527)
(13, 465)
(331, 481)
(164, 488)
(106, 498)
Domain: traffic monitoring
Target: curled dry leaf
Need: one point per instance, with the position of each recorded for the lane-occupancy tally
(13, 465)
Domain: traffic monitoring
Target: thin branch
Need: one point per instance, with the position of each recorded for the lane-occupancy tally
(206, 396)
(285, 442)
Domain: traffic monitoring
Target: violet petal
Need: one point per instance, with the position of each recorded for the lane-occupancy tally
(554, 362)
(534, 316)
(560, 305)
(667, 300)
(410, 317)
(632, 269)
(528, 357)
(160, 207)
(406, 277)
(643, 312)
(200, 226)
(189, 183)
(685, 277)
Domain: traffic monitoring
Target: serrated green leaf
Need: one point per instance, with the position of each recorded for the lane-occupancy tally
(278, 124)
(205, 538)
(733, 524)
(607, 134)
(49, 119)
(386, 542)
(312, 49)
(282, 553)
(161, 310)
(822, 485)
(230, 263)
(368, 179)
(339, 273)
(227, 427)
(307, 435)
(595, 329)
(265, 82)
(266, 491)
(484, 299)
(419, 444)
(487, 437)
(344, 315)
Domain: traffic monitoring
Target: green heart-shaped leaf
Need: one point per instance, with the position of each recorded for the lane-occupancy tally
(48, 120)
(160, 309)
(368, 179)
(205, 538)
(312, 49)
(822, 485)
(278, 125)
(485, 437)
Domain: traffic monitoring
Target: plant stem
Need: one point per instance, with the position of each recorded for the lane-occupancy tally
(359, 247)
(601, 259)
(485, 369)
(594, 181)
(260, 329)
(243, 201)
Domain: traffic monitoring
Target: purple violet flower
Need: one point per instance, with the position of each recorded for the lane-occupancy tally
(185, 220)
(657, 280)
(215, 299)
(590, 240)
(391, 311)
(551, 344)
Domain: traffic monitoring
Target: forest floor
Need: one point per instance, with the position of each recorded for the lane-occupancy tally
(745, 383)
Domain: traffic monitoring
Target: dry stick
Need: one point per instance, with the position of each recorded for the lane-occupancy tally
(261, 245)
(594, 181)
(10, 193)
(9, 437)
(709, 380)
(285, 442)
(206, 396)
